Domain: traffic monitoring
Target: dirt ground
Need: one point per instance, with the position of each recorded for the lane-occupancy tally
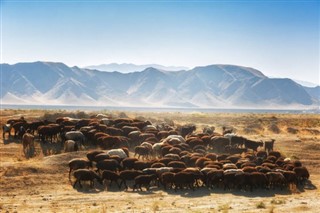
(41, 184)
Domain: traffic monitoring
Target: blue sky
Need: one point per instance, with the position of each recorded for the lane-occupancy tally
(280, 38)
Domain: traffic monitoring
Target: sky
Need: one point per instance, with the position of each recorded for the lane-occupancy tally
(279, 38)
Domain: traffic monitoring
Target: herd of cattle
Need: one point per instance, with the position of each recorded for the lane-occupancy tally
(176, 158)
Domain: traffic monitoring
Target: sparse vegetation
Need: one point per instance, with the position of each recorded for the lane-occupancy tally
(314, 146)
(122, 115)
(292, 130)
(103, 208)
(34, 184)
(253, 128)
(271, 210)
(274, 128)
(224, 208)
(155, 206)
(277, 201)
(312, 131)
(53, 115)
(261, 205)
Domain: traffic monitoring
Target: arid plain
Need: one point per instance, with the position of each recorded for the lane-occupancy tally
(40, 184)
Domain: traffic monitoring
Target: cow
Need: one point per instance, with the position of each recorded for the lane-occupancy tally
(188, 129)
(6, 128)
(268, 145)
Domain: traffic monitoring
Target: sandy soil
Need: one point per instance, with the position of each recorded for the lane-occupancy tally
(41, 184)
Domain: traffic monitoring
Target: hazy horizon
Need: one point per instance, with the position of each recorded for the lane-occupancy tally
(280, 39)
(302, 82)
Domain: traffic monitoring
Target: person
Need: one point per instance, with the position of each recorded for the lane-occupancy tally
(22, 130)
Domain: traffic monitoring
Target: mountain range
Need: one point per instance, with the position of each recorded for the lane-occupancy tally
(128, 67)
(213, 86)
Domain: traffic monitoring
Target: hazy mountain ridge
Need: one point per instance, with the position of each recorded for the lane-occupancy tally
(314, 92)
(128, 67)
(208, 86)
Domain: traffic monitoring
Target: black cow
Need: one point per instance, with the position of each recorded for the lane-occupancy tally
(186, 130)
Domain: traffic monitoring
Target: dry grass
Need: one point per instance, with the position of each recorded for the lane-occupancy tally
(224, 208)
(292, 130)
(277, 201)
(40, 184)
(271, 209)
(155, 206)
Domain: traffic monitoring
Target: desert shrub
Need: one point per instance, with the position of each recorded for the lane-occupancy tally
(82, 114)
(52, 116)
(312, 131)
(224, 208)
(313, 146)
(141, 118)
(271, 210)
(294, 157)
(152, 120)
(261, 205)
(253, 128)
(274, 128)
(292, 130)
(169, 121)
(248, 130)
(155, 206)
(274, 118)
(277, 201)
(122, 115)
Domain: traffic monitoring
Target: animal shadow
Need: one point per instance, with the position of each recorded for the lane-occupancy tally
(11, 140)
(190, 193)
(310, 185)
(50, 148)
(86, 188)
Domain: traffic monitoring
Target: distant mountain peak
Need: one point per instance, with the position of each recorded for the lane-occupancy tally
(248, 70)
(129, 67)
(151, 69)
(221, 71)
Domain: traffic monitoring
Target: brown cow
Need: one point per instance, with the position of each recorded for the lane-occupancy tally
(49, 131)
(218, 144)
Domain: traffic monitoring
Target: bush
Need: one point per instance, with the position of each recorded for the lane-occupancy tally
(274, 128)
(292, 130)
(253, 128)
(52, 116)
(123, 115)
(277, 202)
(261, 205)
(170, 122)
(248, 130)
(82, 114)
